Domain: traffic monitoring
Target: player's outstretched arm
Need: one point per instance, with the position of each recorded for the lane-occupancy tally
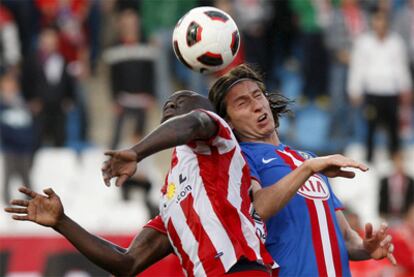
(375, 244)
(148, 247)
(196, 125)
(268, 201)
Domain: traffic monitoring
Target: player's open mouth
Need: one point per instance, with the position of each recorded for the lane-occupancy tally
(262, 118)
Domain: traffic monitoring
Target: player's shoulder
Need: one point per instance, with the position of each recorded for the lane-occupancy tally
(260, 153)
(210, 113)
(296, 153)
(212, 116)
(306, 155)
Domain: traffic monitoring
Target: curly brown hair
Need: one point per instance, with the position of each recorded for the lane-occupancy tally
(217, 94)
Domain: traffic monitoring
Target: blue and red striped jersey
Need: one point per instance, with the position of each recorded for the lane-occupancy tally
(304, 237)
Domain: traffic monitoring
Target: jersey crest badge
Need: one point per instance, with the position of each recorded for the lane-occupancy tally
(305, 155)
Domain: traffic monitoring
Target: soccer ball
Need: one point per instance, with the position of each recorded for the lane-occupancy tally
(206, 39)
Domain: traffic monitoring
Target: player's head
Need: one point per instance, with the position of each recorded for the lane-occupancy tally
(182, 102)
(240, 97)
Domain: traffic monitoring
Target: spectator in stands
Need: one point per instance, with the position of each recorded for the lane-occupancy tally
(9, 41)
(132, 76)
(25, 17)
(74, 36)
(49, 88)
(253, 20)
(69, 16)
(313, 17)
(396, 192)
(158, 21)
(348, 21)
(378, 76)
(16, 130)
(404, 25)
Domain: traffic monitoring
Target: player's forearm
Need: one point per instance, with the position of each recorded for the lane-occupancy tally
(101, 252)
(268, 201)
(354, 246)
(353, 242)
(174, 132)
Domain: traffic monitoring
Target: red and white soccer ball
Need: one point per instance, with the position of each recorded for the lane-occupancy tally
(206, 39)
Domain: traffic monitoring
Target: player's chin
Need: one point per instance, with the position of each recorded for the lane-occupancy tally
(265, 131)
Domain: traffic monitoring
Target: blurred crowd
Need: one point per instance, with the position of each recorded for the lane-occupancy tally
(347, 64)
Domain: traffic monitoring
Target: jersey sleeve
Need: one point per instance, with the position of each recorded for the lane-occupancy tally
(157, 224)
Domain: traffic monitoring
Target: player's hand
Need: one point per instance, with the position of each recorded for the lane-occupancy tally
(378, 243)
(333, 166)
(121, 165)
(45, 210)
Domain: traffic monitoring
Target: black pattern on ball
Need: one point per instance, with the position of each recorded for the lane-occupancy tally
(235, 40)
(210, 59)
(179, 56)
(216, 15)
(194, 31)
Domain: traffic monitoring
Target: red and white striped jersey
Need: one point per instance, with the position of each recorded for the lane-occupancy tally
(205, 206)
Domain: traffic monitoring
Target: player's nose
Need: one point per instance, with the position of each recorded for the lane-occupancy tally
(170, 105)
(257, 105)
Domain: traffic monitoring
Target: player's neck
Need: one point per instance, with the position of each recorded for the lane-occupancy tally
(272, 139)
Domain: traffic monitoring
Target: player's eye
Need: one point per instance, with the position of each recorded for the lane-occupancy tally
(180, 102)
(241, 103)
(258, 94)
(166, 105)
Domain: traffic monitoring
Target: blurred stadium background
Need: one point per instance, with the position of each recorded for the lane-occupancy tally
(82, 76)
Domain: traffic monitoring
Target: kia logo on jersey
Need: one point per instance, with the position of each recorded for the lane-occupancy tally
(314, 188)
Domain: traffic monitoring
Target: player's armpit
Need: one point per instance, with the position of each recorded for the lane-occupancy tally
(255, 186)
(147, 248)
